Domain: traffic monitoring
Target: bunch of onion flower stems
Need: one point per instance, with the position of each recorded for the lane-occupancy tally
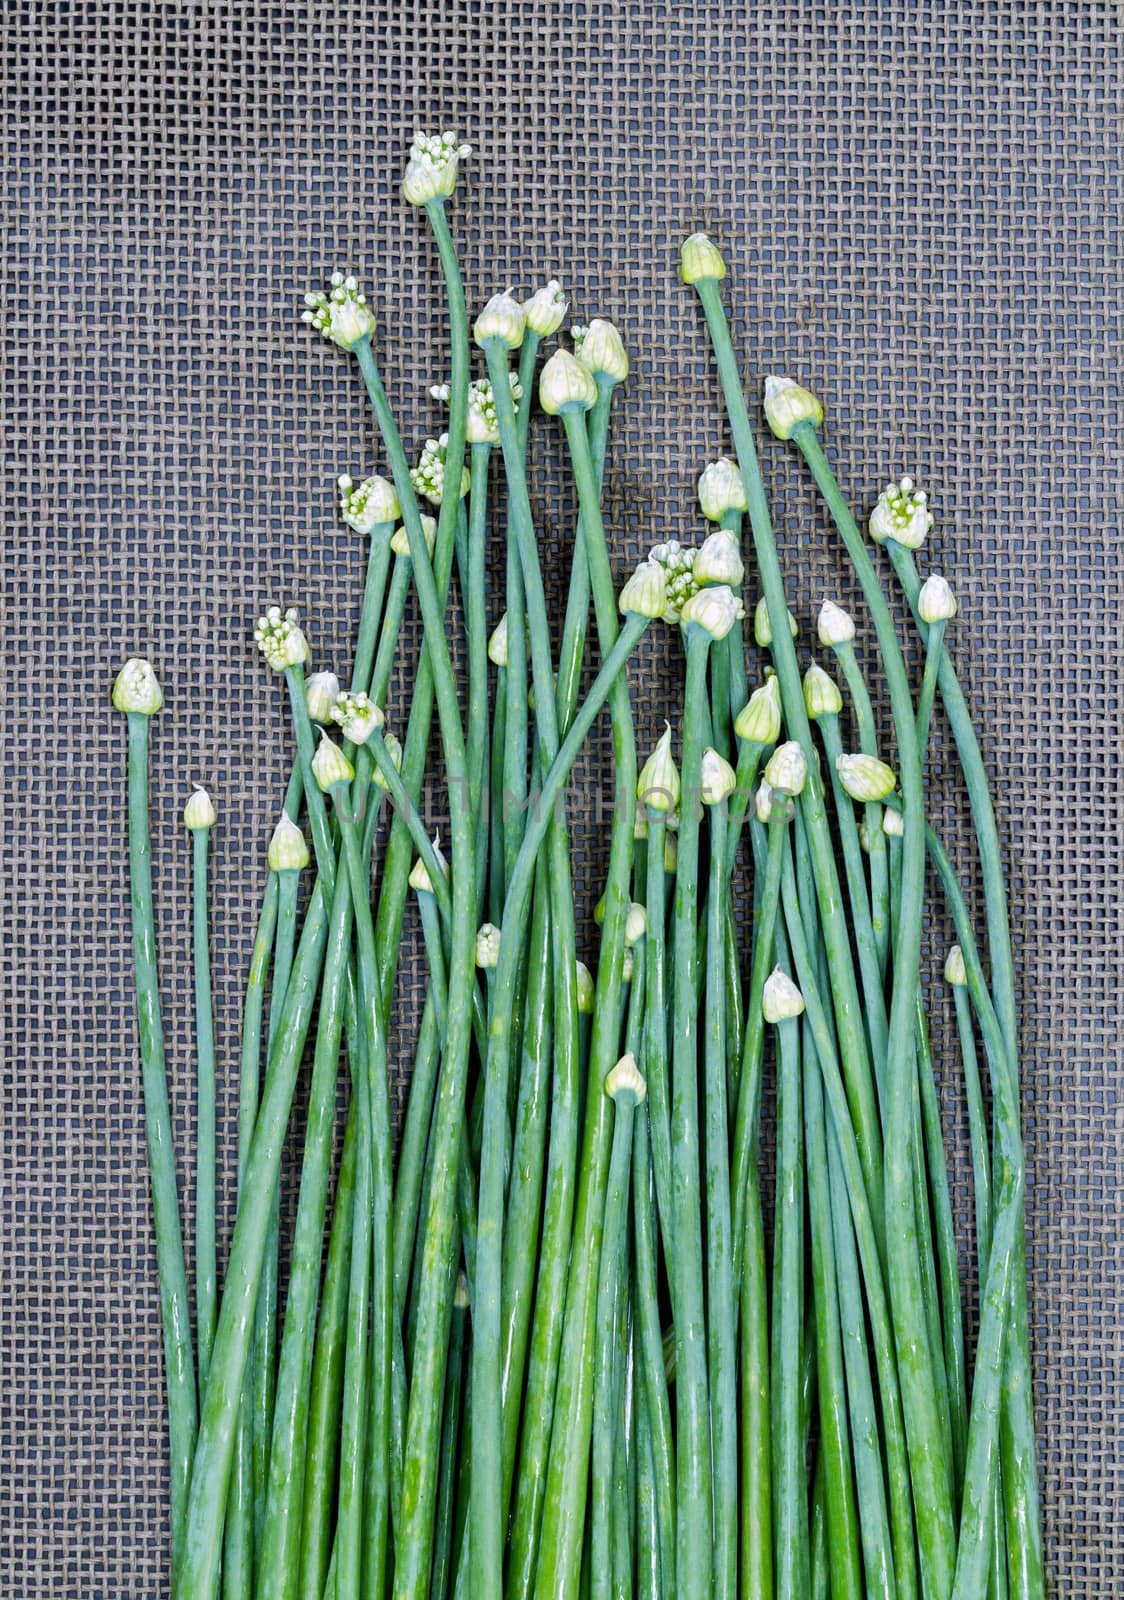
(576, 1330)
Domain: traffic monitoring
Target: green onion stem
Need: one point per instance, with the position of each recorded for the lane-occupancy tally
(655, 1405)
(175, 1307)
(374, 591)
(879, 863)
(934, 646)
(790, 1514)
(206, 1275)
(655, 1043)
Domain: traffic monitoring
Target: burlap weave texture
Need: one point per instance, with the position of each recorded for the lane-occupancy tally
(921, 209)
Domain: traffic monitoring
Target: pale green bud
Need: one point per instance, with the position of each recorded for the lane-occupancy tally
(834, 625)
(645, 592)
(431, 169)
(714, 610)
(628, 965)
(367, 505)
(936, 602)
(545, 310)
(288, 849)
(781, 999)
(763, 628)
(865, 778)
(700, 258)
(893, 823)
(321, 691)
(199, 812)
(394, 751)
(786, 769)
(787, 405)
(658, 785)
(585, 988)
(901, 514)
(955, 972)
(502, 318)
(625, 1082)
(719, 560)
(636, 923)
(487, 945)
(769, 804)
(759, 720)
(821, 694)
(419, 878)
(721, 489)
(602, 351)
(358, 716)
(717, 778)
(280, 640)
(497, 644)
(137, 688)
(330, 767)
(400, 539)
(564, 382)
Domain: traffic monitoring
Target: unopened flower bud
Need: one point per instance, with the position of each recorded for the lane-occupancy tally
(400, 539)
(368, 505)
(787, 405)
(786, 769)
(585, 988)
(936, 602)
(901, 514)
(770, 805)
(394, 750)
(358, 716)
(431, 169)
(670, 853)
(635, 922)
(781, 1000)
(280, 640)
(864, 838)
(288, 848)
(137, 688)
(955, 972)
(645, 593)
(763, 628)
(759, 720)
(865, 778)
(545, 310)
(419, 878)
(625, 1082)
(835, 626)
(721, 489)
(340, 313)
(497, 644)
(564, 382)
(658, 785)
(719, 560)
(893, 823)
(717, 778)
(487, 945)
(428, 477)
(502, 318)
(330, 767)
(700, 258)
(321, 691)
(821, 694)
(199, 812)
(602, 351)
(714, 610)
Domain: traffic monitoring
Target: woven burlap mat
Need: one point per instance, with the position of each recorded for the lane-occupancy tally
(921, 208)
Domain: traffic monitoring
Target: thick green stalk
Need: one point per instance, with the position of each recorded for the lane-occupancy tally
(879, 862)
(648, 1563)
(848, 1010)
(450, 1435)
(374, 590)
(401, 579)
(175, 1307)
(934, 645)
(756, 1453)
(476, 626)
(1020, 1477)
(722, 1327)
(655, 1042)
(206, 1277)
(652, 1388)
(929, 1466)
(197, 1576)
(790, 1513)
(577, 602)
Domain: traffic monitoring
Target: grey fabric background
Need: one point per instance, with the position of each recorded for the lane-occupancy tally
(921, 209)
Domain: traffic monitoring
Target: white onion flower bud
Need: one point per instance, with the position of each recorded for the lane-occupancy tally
(400, 539)
(330, 767)
(502, 318)
(487, 945)
(770, 805)
(936, 602)
(787, 405)
(865, 778)
(199, 812)
(428, 477)
(137, 688)
(834, 626)
(658, 785)
(583, 980)
(368, 505)
(787, 770)
(288, 848)
(625, 1083)
(280, 640)
(431, 168)
(628, 965)
(678, 568)
(545, 310)
(564, 382)
(781, 1000)
(721, 489)
(714, 610)
(901, 514)
(635, 923)
(394, 750)
(497, 643)
(759, 720)
(717, 778)
(821, 694)
(763, 628)
(645, 592)
(893, 823)
(719, 560)
(321, 691)
(700, 258)
(358, 716)
(602, 351)
(341, 313)
(419, 878)
(483, 426)
(955, 971)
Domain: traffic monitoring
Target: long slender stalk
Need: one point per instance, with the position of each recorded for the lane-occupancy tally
(790, 1507)
(206, 1284)
(175, 1307)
